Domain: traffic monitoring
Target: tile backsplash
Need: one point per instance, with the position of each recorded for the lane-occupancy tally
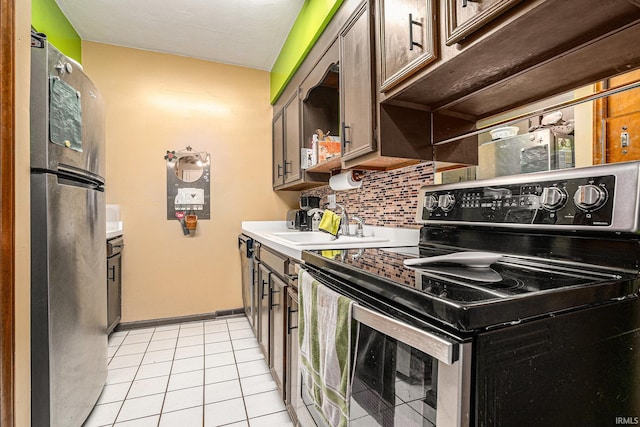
(386, 198)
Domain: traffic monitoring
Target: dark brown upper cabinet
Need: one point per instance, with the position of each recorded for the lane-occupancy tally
(490, 56)
(357, 100)
(337, 91)
(313, 105)
(464, 17)
(286, 134)
(286, 143)
(292, 140)
(529, 51)
(407, 31)
(277, 135)
(321, 103)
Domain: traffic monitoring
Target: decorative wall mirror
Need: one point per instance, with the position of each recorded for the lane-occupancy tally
(189, 168)
(188, 183)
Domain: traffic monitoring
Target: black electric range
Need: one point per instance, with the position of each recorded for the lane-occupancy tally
(555, 313)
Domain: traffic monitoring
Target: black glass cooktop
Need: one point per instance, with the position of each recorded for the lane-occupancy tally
(507, 278)
(471, 297)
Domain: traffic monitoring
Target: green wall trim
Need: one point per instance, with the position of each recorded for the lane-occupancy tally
(313, 18)
(46, 17)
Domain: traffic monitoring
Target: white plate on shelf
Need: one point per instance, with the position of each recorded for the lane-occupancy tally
(504, 132)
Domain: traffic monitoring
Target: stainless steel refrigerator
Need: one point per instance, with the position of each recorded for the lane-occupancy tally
(68, 241)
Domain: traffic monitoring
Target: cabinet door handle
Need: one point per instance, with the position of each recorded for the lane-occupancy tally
(345, 141)
(413, 43)
(274, 291)
(279, 173)
(285, 167)
(112, 277)
(289, 327)
(264, 283)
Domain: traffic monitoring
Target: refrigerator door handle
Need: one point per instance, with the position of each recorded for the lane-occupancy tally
(79, 181)
(80, 174)
(73, 178)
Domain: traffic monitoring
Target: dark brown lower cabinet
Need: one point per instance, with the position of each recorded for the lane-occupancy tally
(114, 292)
(277, 332)
(277, 320)
(114, 282)
(264, 292)
(292, 396)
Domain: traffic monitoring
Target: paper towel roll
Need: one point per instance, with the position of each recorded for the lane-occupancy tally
(345, 181)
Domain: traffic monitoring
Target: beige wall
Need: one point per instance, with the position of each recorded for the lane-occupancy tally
(583, 115)
(22, 237)
(158, 102)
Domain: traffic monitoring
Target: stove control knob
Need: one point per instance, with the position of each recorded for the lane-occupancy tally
(553, 198)
(430, 202)
(590, 197)
(446, 202)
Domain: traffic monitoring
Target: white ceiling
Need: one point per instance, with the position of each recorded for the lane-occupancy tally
(249, 33)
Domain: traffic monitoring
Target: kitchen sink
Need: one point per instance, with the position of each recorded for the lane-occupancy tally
(302, 238)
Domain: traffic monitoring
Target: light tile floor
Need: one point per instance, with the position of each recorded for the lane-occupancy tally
(208, 373)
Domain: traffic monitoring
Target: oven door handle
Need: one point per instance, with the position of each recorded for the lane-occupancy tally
(433, 345)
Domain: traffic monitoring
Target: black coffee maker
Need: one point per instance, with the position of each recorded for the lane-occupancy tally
(309, 202)
(302, 221)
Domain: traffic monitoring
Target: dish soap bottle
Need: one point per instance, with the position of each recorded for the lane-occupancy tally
(315, 222)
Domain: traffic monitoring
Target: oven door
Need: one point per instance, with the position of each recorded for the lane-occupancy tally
(403, 375)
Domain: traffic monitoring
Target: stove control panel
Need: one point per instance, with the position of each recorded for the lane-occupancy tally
(604, 197)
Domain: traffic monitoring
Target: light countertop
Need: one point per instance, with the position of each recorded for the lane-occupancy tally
(114, 225)
(114, 229)
(291, 243)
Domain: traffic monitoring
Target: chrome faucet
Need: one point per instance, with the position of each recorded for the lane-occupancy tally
(344, 223)
(344, 220)
(359, 226)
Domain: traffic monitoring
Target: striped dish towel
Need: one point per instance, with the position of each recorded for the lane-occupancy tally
(324, 332)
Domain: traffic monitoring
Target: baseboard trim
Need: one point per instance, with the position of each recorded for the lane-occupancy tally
(140, 324)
